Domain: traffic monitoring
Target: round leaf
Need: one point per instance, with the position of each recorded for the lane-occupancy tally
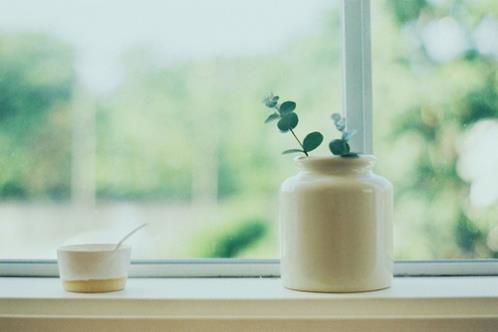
(336, 117)
(341, 124)
(272, 117)
(292, 151)
(312, 141)
(339, 147)
(271, 101)
(350, 155)
(287, 107)
(287, 122)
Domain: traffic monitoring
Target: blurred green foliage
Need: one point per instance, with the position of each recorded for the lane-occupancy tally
(455, 95)
(405, 10)
(231, 241)
(36, 85)
(193, 131)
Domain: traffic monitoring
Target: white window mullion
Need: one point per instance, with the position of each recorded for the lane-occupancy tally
(357, 72)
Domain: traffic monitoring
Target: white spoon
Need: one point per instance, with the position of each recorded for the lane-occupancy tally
(128, 235)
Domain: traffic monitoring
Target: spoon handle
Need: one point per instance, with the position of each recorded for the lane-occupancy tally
(128, 235)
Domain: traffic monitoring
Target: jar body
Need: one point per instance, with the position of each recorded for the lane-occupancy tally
(336, 228)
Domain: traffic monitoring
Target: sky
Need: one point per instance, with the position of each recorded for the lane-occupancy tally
(178, 30)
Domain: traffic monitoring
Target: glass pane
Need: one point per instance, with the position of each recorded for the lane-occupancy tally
(114, 113)
(436, 123)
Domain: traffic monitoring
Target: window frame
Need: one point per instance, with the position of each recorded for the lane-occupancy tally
(228, 267)
(357, 72)
(357, 91)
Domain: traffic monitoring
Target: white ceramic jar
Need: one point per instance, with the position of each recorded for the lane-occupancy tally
(336, 226)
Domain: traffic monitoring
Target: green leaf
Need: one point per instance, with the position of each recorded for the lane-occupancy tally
(287, 122)
(270, 100)
(287, 107)
(339, 147)
(272, 117)
(341, 124)
(336, 117)
(350, 155)
(312, 141)
(292, 151)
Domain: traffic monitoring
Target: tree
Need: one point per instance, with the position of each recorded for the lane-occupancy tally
(36, 80)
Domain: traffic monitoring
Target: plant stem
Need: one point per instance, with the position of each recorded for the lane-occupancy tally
(277, 107)
(297, 139)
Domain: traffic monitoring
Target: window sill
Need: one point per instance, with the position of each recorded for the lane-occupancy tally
(454, 300)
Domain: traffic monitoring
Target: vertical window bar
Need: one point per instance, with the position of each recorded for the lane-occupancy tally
(357, 72)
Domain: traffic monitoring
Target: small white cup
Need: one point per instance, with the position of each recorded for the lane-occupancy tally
(93, 268)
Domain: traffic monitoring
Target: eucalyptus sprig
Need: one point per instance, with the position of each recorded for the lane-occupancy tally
(287, 121)
(341, 146)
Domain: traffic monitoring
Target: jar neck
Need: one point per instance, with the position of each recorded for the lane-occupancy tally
(337, 165)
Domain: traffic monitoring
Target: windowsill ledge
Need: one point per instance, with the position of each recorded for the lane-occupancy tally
(415, 299)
